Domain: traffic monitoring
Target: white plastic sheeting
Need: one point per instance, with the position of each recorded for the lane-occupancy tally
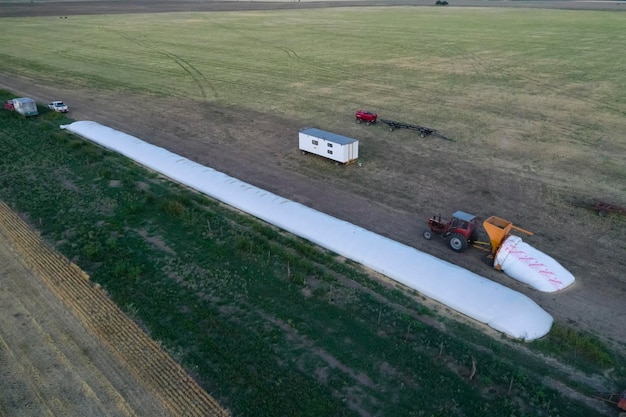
(524, 263)
(499, 307)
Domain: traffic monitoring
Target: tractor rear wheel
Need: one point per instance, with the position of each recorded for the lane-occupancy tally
(457, 242)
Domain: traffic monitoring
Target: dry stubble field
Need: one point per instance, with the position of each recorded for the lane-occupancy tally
(67, 350)
(404, 192)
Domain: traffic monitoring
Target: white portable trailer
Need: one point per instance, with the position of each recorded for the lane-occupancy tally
(25, 106)
(341, 149)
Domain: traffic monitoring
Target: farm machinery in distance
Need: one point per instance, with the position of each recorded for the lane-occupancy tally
(506, 251)
(370, 118)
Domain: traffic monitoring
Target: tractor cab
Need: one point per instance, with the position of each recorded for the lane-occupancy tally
(459, 231)
(463, 223)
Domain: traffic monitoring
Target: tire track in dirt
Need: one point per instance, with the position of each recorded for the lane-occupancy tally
(328, 73)
(198, 77)
(290, 52)
(179, 393)
(569, 132)
(490, 68)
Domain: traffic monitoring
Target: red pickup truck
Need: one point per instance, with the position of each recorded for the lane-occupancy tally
(365, 116)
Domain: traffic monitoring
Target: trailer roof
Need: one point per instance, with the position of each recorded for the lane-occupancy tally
(329, 136)
(23, 100)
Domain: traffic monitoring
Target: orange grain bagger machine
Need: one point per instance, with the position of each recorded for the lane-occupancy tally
(498, 230)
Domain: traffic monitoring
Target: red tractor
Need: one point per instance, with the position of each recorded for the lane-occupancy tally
(365, 116)
(459, 232)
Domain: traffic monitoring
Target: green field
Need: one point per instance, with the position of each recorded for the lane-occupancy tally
(540, 88)
(269, 324)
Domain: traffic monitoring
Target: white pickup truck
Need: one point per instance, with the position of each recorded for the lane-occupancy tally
(58, 106)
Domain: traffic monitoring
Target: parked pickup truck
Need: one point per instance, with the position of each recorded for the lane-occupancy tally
(365, 116)
(58, 106)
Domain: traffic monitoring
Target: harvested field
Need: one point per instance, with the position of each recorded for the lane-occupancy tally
(62, 338)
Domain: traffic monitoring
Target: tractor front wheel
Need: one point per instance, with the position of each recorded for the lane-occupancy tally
(457, 242)
(427, 234)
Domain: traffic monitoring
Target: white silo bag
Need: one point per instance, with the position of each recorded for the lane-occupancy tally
(526, 264)
(500, 307)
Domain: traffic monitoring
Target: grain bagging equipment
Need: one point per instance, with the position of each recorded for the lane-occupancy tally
(507, 252)
(498, 231)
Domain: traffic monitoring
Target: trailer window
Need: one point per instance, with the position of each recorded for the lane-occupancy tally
(314, 142)
(330, 145)
(329, 151)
